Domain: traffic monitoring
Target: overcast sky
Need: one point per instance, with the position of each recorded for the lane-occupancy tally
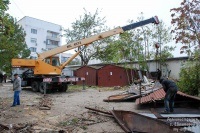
(117, 12)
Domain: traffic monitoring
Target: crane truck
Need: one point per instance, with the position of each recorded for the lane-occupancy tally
(44, 73)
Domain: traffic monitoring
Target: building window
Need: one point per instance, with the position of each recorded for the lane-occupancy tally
(32, 49)
(51, 42)
(34, 41)
(34, 31)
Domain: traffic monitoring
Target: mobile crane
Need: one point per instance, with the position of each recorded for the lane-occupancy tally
(45, 72)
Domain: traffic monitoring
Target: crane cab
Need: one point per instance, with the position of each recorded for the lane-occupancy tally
(54, 61)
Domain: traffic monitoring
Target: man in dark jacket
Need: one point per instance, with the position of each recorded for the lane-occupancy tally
(159, 73)
(170, 89)
(4, 77)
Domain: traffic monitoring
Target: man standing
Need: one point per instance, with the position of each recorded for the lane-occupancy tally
(1, 77)
(16, 89)
(170, 89)
(158, 74)
(4, 77)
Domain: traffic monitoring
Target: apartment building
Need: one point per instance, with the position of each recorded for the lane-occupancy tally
(40, 35)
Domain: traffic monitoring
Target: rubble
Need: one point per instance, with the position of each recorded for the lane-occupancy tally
(45, 103)
(78, 123)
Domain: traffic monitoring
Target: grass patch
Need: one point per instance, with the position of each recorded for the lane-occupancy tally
(75, 88)
(84, 127)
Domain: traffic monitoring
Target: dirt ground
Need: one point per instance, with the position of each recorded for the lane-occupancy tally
(67, 111)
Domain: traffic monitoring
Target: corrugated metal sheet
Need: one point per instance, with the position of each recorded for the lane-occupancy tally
(159, 95)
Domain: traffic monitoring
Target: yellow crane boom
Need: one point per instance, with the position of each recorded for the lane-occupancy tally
(41, 67)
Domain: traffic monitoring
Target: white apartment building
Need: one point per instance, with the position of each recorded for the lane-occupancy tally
(40, 35)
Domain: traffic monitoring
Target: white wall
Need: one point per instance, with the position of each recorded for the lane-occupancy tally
(172, 65)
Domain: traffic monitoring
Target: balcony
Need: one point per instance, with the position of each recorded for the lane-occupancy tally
(53, 38)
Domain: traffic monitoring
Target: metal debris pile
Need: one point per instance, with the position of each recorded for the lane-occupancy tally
(134, 122)
(139, 89)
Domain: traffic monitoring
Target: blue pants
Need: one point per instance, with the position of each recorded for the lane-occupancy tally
(169, 99)
(16, 98)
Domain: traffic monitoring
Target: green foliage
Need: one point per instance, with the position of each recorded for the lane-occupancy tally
(3, 6)
(120, 50)
(161, 35)
(138, 45)
(190, 77)
(12, 39)
(75, 62)
(87, 25)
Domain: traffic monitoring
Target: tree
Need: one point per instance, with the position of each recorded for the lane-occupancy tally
(160, 38)
(123, 47)
(190, 78)
(12, 39)
(87, 25)
(118, 50)
(138, 45)
(4, 27)
(186, 20)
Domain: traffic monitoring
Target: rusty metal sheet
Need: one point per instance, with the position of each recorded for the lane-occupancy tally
(134, 122)
(186, 95)
(159, 95)
(121, 97)
(111, 75)
(90, 75)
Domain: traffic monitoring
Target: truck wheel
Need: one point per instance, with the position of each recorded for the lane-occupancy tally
(64, 87)
(42, 85)
(35, 86)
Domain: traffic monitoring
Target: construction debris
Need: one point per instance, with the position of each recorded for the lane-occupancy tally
(121, 97)
(45, 103)
(134, 122)
(134, 92)
(78, 123)
(3, 127)
(16, 128)
(159, 94)
(104, 112)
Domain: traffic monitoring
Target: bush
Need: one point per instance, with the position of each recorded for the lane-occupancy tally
(190, 78)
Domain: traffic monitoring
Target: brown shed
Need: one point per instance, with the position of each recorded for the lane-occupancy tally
(111, 75)
(89, 73)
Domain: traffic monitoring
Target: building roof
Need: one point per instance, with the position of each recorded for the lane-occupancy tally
(118, 64)
(38, 19)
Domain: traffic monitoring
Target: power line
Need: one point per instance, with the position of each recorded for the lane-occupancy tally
(18, 8)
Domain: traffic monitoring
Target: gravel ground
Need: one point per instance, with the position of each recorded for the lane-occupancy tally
(64, 111)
